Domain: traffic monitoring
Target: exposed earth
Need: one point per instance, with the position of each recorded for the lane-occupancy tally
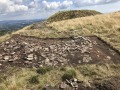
(26, 51)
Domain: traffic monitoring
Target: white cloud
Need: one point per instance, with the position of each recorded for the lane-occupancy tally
(66, 4)
(32, 4)
(56, 5)
(17, 8)
(50, 5)
(80, 3)
(7, 6)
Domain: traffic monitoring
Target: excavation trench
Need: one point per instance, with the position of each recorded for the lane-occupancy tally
(26, 51)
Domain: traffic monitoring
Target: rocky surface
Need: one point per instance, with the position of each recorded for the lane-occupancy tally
(30, 51)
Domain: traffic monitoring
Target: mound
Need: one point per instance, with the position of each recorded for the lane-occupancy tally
(64, 15)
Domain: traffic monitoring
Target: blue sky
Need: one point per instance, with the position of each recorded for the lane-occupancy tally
(40, 9)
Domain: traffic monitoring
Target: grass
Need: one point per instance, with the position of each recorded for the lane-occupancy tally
(25, 78)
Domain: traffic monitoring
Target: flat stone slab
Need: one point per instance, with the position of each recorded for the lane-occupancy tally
(26, 51)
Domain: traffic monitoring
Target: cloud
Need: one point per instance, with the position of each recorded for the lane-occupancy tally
(8, 6)
(80, 3)
(66, 4)
(50, 5)
(56, 5)
(69, 3)
(17, 1)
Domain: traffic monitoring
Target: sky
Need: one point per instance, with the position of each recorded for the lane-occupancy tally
(42, 9)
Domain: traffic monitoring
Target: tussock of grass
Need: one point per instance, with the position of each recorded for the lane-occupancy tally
(69, 74)
(43, 70)
(34, 80)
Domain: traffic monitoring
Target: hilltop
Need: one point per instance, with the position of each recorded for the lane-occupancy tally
(64, 15)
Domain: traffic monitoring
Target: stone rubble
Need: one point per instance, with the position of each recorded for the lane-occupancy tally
(48, 52)
(72, 84)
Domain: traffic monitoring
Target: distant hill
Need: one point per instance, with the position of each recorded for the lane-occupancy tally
(16, 24)
(64, 15)
(6, 27)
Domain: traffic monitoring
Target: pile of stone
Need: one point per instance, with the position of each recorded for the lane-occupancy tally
(73, 84)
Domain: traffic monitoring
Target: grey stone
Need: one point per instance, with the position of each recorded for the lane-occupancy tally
(87, 58)
(7, 57)
(28, 62)
(75, 80)
(13, 53)
(46, 49)
(52, 47)
(11, 60)
(79, 61)
(63, 85)
(47, 60)
(108, 58)
(7, 43)
(30, 57)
